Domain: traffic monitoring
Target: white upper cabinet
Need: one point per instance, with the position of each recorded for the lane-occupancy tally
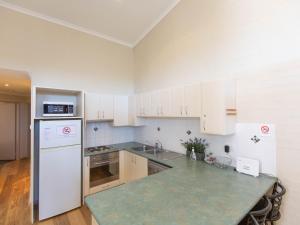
(121, 111)
(186, 101)
(107, 107)
(143, 104)
(92, 106)
(173, 102)
(161, 103)
(164, 106)
(218, 107)
(177, 102)
(125, 111)
(99, 107)
(192, 100)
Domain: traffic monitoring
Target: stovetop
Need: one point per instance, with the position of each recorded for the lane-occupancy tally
(97, 149)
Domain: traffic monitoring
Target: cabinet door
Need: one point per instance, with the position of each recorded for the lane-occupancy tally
(132, 111)
(146, 103)
(218, 107)
(140, 167)
(177, 98)
(107, 107)
(139, 104)
(154, 105)
(192, 100)
(129, 167)
(121, 116)
(165, 103)
(92, 106)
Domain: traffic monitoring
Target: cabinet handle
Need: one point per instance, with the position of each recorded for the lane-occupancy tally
(181, 109)
(204, 125)
(186, 110)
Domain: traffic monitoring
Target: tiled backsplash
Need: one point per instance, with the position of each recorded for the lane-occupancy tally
(103, 133)
(170, 131)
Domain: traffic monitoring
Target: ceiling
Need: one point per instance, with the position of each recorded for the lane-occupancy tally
(14, 83)
(123, 21)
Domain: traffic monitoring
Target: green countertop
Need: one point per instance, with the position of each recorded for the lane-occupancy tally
(192, 192)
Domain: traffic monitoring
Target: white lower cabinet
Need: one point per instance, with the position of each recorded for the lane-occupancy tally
(134, 167)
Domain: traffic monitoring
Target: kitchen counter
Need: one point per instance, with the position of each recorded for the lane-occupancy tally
(192, 192)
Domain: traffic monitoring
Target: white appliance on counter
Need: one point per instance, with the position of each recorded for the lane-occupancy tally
(247, 166)
(59, 167)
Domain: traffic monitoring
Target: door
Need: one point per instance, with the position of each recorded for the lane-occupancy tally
(177, 98)
(146, 104)
(140, 167)
(121, 111)
(60, 133)
(104, 168)
(165, 103)
(155, 106)
(92, 106)
(192, 100)
(107, 107)
(59, 180)
(213, 108)
(7, 131)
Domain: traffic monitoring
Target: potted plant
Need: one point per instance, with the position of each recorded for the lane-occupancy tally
(199, 146)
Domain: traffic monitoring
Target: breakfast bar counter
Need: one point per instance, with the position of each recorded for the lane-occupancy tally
(190, 193)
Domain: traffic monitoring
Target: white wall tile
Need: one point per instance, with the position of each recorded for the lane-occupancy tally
(107, 134)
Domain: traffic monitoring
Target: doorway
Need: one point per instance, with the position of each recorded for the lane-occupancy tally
(15, 90)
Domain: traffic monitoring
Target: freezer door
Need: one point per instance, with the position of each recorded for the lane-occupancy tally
(60, 133)
(59, 180)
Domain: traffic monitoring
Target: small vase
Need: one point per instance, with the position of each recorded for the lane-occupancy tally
(200, 156)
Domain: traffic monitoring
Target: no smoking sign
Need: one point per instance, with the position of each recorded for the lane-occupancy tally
(265, 130)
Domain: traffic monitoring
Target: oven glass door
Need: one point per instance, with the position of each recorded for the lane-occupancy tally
(104, 168)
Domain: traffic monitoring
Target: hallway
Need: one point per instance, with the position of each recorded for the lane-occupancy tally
(14, 195)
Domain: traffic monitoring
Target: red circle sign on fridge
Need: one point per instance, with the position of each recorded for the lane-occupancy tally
(66, 130)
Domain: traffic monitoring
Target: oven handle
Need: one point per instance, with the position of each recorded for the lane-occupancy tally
(104, 163)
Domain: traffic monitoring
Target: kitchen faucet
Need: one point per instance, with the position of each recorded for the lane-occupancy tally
(158, 143)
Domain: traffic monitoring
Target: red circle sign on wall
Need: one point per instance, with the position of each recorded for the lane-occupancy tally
(265, 129)
(66, 130)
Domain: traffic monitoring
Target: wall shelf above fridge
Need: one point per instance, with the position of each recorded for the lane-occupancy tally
(41, 94)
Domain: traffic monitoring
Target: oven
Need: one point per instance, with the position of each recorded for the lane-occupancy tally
(104, 168)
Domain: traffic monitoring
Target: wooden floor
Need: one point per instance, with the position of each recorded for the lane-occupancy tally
(14, 196)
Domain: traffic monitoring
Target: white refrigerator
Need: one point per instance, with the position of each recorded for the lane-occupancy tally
(59, 167)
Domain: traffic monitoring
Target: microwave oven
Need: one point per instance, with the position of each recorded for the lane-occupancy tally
(58, 109)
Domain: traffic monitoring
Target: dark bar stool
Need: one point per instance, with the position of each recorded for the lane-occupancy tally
(276, 199)
(258, 215)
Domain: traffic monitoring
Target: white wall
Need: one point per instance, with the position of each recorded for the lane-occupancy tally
(56, 56)
(208, 39)
(255, 41)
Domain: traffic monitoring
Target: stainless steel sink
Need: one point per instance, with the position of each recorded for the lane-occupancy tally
(145, 148)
